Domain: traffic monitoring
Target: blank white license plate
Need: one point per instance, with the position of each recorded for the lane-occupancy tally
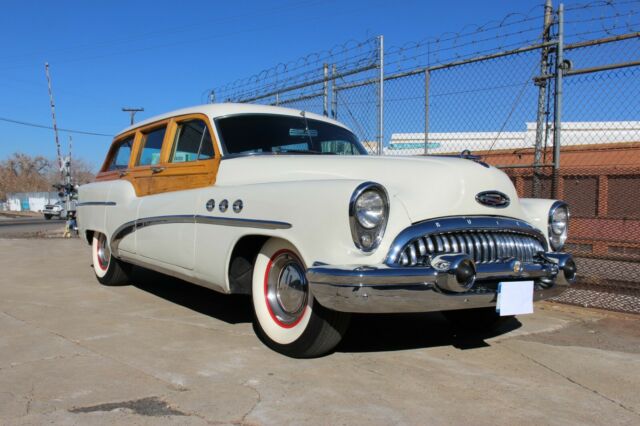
(515, 298)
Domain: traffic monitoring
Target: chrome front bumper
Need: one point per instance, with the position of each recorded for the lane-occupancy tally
(387, 289)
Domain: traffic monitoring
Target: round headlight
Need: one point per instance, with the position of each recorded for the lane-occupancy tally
(558, 225)
(368, 215)
(370, 209)
(559, 220)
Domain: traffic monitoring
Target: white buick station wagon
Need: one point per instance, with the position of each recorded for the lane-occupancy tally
(287, 207)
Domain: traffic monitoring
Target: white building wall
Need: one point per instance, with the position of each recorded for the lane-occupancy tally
(36, 200)
(573, 133)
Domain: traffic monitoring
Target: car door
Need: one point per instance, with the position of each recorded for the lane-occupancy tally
(180, 157)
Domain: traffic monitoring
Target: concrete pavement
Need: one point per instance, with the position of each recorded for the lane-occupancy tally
(163, 351)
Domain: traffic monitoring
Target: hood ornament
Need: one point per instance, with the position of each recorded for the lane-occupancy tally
(495, 199)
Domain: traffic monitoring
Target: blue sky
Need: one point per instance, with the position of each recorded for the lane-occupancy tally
(163, 55)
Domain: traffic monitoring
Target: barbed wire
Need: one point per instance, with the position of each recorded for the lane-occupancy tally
(305, 76)
(349, 55)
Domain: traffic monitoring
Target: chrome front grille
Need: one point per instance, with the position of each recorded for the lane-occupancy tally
(483, 246)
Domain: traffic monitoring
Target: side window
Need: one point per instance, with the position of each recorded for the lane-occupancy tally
(151, 146)
(121, 157)
(192, 142)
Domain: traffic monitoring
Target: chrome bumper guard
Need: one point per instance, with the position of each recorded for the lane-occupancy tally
(451, 282)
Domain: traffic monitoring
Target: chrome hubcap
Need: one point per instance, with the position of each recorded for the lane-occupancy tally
(287, 289)
(104, 254)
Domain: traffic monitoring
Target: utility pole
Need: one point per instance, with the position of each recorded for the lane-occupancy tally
(53, 116)
(381, 95)
(132, 113)
(542, 93)
(557, 106)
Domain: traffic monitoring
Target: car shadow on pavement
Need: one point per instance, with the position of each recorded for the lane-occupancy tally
(366, 333)
(395, 332)
(232, 309)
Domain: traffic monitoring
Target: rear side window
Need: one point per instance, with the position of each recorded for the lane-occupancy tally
(120, 159)
(192, 142)
(151, 146)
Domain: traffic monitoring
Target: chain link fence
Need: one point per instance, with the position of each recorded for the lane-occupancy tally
(506, 91)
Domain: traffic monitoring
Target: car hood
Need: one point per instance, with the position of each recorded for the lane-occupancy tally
(428, 187)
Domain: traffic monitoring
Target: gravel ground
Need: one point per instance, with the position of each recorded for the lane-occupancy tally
(163, 351)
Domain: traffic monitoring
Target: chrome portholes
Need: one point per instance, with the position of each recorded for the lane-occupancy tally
(211, 204)
(224, 205)
(103, 252)
(286, 288)
(237, 206)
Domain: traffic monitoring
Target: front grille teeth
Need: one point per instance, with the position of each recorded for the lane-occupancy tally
(481, 246)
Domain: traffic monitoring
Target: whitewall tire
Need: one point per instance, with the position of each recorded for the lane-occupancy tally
(108, 269)
(287, 318)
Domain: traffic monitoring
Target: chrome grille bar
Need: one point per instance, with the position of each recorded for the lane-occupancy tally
(482, 246)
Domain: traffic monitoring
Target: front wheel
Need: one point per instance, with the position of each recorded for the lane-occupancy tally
(108, 269)
(47, 216)
(287, 318)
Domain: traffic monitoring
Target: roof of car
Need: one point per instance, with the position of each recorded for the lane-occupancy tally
(224, 109)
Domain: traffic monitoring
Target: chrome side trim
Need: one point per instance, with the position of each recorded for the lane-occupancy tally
(96, 203)
(242, 223)
(130, 227)
(461, 223)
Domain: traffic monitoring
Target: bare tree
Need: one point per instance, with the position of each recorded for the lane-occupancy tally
(24, 173)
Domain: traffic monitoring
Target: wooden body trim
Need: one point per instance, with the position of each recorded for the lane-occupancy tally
(173, 176)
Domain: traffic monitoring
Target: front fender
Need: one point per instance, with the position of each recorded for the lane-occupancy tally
(537, 211)
(318, 212)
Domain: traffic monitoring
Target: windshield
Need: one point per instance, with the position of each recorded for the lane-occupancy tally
(270, 133)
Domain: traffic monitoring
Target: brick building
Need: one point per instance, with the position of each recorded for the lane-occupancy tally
(599, 177)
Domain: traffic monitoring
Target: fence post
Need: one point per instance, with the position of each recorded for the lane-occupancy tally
(380, 94)
(557, 105)
(542, 92)
(334, 93)
(277, 99)
(427, 83)
(325, 90)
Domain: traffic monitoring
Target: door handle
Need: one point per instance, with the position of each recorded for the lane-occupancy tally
(156, 169)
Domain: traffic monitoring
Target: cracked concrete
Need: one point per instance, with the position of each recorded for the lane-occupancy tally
(74, 352)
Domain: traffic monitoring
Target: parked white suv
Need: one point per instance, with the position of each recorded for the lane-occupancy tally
(56, 210)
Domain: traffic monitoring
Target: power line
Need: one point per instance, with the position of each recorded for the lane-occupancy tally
(43, 126)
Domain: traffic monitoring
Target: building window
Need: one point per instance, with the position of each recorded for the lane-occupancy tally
(545, 187)
(623, 197)
(576, 247)
(624, 251)
(581, 192)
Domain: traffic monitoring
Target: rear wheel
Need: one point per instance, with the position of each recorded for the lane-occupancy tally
(479, 319)
(287, 318)
(108, 269)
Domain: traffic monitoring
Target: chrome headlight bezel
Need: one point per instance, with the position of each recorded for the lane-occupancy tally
(558, 234)
(360, 233)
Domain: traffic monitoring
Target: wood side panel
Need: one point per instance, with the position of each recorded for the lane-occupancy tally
(175, 176)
